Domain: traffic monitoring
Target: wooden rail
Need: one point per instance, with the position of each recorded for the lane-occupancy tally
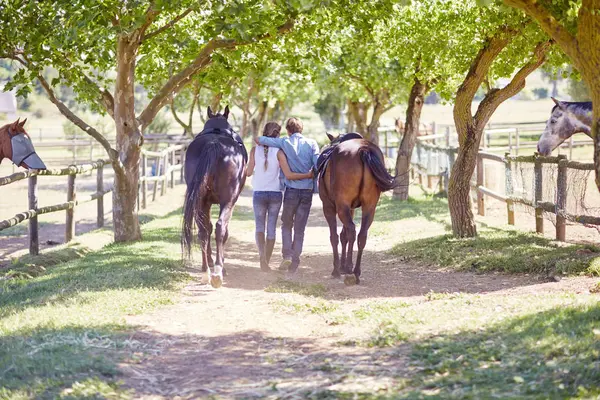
(422, 171)
(166, 161)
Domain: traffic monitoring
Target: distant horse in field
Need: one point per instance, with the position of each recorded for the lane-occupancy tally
(215, 173)
(566, 119)
(15, 144)
(352, 174)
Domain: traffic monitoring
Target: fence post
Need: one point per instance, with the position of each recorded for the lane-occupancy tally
(144, 182)
(157, 162)
(163, 188)
(538, 182)
(510, 207)
(571, 147)
(70, 220)
(561, 199)
(34, 242)
(429, 177)
(100, 192)
(448, 136)
(517, 133)
(480, 182)
(182, 161)
(172, 155)
(510, 142)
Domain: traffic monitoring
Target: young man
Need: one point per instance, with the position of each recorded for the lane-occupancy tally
(302, 154)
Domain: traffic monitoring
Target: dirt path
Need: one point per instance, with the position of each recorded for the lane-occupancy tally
(239, 342)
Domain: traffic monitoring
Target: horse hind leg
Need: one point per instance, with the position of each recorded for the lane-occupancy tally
(349, 234)
(367, 219)
(221, 234)
(330, 216)
(204, 232)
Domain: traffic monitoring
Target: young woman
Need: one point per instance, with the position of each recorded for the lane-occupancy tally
(266, 163)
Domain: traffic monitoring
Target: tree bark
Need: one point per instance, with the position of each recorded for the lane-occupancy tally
(416, 99)
(359, 117)
(129, 139)
(470, 128)
(349, 117)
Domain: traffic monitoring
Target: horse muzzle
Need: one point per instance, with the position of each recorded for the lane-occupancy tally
(23, 153)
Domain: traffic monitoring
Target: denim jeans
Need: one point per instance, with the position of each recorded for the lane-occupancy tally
(296, 207)
(266, 208)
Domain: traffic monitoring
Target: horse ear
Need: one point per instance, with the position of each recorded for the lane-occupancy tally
(23, 122)
(331, 138)
(226, 112)
(210, 112)
(560, 104)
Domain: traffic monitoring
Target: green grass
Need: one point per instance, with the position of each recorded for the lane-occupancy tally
(61, 333)
(504, 251)
(550, 354)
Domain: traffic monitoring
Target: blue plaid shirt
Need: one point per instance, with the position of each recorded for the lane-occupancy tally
(301, 154)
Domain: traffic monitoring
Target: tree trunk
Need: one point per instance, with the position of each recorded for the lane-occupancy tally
(416, 100)
(459, 186)
(349, 117)
(359, 115)
(129, 138)
(470, 128)
(258, 121)
(373, 127)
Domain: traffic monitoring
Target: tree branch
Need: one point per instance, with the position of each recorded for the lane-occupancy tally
(112, 153)
(104, 96)
(495, 97)
(363, 84)
(168, 25)
(179, 80)
(549, 24)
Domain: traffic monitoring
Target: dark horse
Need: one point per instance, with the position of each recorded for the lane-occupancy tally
(352, 174)
(215, 173)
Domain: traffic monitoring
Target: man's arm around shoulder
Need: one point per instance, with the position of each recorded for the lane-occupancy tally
(271, 142)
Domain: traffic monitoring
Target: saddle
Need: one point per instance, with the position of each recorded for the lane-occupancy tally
(228, 132)
(325, 155)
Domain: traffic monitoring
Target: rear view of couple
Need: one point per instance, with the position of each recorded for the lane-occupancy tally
(296, 157)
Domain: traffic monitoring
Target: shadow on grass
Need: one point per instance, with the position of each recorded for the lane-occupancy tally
(42, 363)
(504, 251)
(552, 354)
(147, 263)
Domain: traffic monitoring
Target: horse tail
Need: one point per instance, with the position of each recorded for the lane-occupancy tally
(374, 161)
(196, 189)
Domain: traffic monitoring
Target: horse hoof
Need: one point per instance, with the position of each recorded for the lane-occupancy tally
(216, 281)
(336, 275)
(350, 280)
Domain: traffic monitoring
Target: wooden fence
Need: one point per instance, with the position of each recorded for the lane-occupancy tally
(168, 162)
(432, 161)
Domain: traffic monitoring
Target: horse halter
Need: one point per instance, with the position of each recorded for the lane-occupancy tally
(22, 149)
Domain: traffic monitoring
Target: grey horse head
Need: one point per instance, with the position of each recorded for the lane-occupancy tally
(567, 118)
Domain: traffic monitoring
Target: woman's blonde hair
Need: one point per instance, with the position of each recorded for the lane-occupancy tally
(271, 129)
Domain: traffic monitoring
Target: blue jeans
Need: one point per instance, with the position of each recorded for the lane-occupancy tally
(266, 208)
(296, 207)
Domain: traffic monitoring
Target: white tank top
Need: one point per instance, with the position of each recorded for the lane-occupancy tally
(266, 180)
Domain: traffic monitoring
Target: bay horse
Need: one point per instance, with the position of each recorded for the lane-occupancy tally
(215, 173)
(352, 174)
(15, 144)
(566, 119)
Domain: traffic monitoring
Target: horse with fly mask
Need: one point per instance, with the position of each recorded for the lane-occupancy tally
(566, 119)
(15, 144)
